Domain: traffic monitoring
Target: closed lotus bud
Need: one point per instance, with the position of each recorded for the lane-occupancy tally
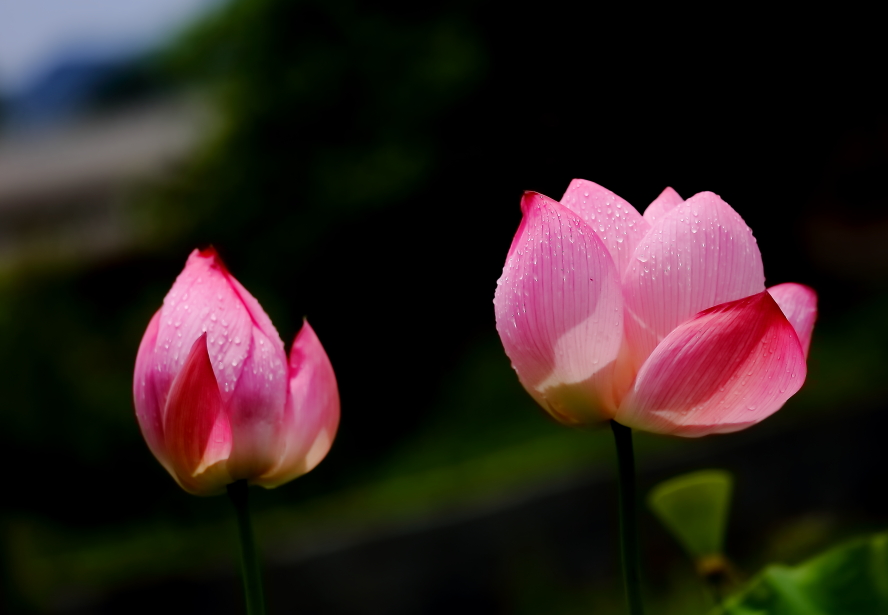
(216, 397)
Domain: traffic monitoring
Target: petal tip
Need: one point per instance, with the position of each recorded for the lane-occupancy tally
(528, 198)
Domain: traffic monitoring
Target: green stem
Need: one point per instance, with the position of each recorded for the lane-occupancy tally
(628, 524)
(252, 575)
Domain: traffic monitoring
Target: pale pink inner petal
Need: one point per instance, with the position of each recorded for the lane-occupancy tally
(799, 305)
(202, 301)
(311, 417)
(728, 368)
(699, 255)
(559, 312)
(218, 444)
(256, 409)
(614, 220)
(668, 200)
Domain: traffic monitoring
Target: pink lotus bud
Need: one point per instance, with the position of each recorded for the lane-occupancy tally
(216, 398)
(661, 322)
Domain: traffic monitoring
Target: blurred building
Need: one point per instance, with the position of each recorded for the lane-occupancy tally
(65, 188)
(86, 114)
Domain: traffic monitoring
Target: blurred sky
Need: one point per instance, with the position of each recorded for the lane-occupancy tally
(36, 34)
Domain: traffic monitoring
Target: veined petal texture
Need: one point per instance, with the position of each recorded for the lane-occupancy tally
(726, 369)
(799, 304)
(245, 350)
(559, 312)
(215, 397)
(619, 225)
(311, 415)
(700, 254)
(203, 301)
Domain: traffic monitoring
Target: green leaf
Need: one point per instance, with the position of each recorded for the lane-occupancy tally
(694, 507)
(848, 580)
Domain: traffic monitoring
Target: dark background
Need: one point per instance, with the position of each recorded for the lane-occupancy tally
(367, 173)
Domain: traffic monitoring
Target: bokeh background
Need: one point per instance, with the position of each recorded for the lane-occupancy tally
(361, 164)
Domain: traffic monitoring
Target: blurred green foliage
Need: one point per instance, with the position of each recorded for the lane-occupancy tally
(329, 109)
(695, 508)
(851, 579)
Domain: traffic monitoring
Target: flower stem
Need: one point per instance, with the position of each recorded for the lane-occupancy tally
(628, 524)
(252, 575)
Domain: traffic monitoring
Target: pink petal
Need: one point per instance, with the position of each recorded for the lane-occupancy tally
(699, 255)
(196, 428)
(202, 300)
(613, 219)
(559, 312)
(256, 408)
(312, 411)
(799, 305)
(668, 200)
(726, 369)
(149, 410)
(258, 315)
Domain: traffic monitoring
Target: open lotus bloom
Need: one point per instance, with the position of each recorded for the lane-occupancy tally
(661, 322)
(216, 398)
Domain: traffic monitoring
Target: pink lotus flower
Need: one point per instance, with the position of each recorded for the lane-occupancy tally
(216, 398)
(661, 322)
